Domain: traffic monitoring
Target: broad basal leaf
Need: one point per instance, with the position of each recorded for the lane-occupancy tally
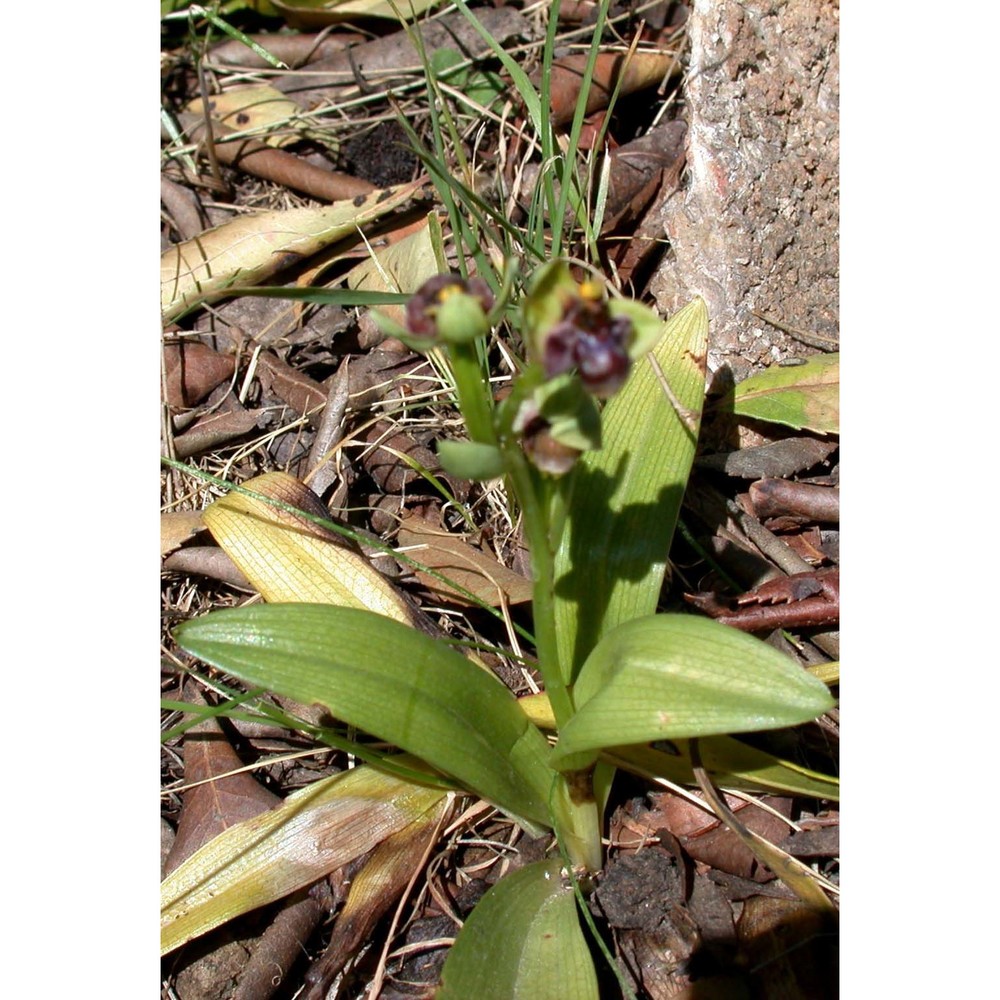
(805, 397)
(730, 762)
(626, 497)
(251, 248)
(670, 676)
(522, 942)
(393, 682)
(312, 833)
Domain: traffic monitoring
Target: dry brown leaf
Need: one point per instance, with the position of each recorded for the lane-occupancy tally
(214, 806)
(176, 527)
(637, 171)
(644, 69)
(459, 560)
(374, 65)
(303, 394)
(707, 840)
(193, 370)
(218, 429)
(373, 890)
(207, 560)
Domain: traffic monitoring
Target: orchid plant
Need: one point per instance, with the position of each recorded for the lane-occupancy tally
(594, 444)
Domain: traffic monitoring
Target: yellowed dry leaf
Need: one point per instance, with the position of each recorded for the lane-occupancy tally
(314, 832)
(258, 109)
(317, 14)
(289, 558)
(400, 267)
(457, 559)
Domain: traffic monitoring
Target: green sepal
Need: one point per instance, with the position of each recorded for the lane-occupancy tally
(573, 417)
(460, 318)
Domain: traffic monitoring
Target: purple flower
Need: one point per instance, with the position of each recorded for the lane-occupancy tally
(594, 342)
(421, 310)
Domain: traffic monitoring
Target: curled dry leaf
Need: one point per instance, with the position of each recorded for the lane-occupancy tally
(642, 70)
(193, 370)
(802, 600)
(778, 497)
(256, 157)
(292, 50)
(250, 248)
(207, 560)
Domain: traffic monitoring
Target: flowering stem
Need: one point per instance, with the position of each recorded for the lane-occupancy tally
(474, 398)
(535, 519)
(575, 813)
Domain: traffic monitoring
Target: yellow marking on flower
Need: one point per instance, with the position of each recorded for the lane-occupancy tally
(592, 290)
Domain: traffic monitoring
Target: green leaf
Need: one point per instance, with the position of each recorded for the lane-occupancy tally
(671, 676)
(444, 59)
(804, 397)
(392, 681)
(625, 498)
(471, 459)
(522, 942)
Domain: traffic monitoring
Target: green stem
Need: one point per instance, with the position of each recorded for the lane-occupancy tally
(473, 388)
(536, 530)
